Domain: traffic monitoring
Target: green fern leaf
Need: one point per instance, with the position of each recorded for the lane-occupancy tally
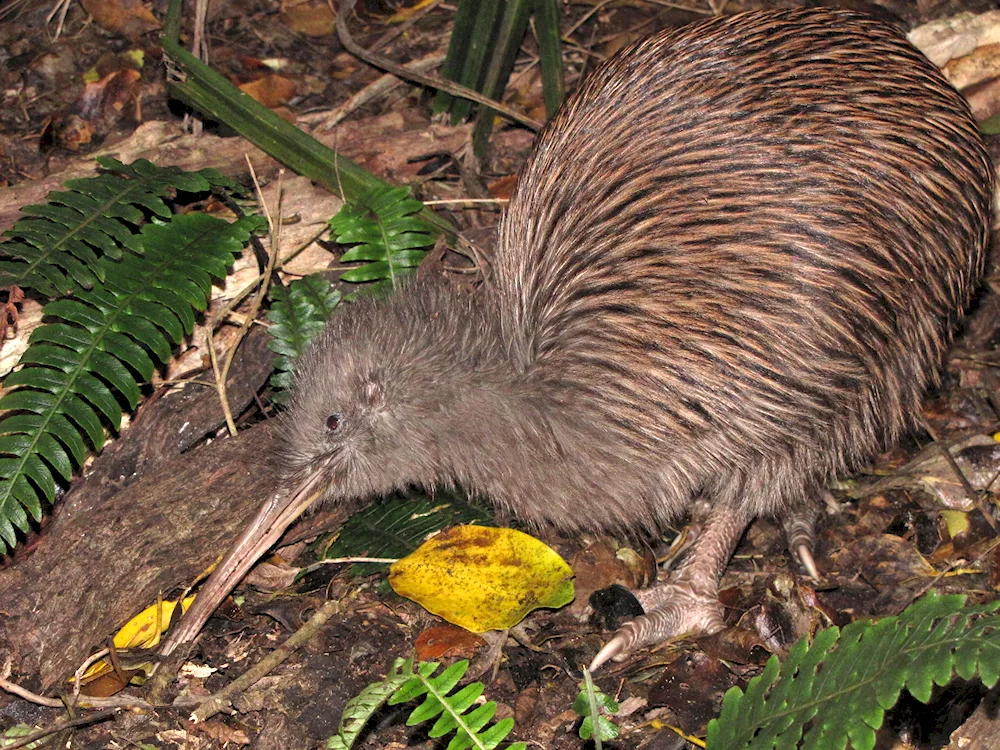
(837, 689)
(468, 732)
(451, 708)
(298, 312)
(388, 237)
(56, 247)
(395, 526)
(81, 368)
(360, 708)
(405, 684)
(461, 702)
(435, 688)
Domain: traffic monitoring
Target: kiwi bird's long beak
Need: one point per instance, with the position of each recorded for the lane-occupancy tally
(276, 515)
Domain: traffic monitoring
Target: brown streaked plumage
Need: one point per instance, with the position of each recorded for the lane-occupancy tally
(729, 270)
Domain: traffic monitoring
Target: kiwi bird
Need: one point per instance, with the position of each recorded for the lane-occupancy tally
(728, 271)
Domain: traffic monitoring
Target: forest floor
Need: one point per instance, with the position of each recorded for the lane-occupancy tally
(922, 517)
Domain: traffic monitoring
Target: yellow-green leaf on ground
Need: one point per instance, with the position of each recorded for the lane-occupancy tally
(483, 578)
(957, 522)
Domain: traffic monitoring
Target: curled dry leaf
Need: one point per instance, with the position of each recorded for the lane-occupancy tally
(141, 632)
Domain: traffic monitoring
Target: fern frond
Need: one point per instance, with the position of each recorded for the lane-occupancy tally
(298, 312)
(405, 684)
(55, 249)
(837, 689)
(360, 708)
(387, 234)
(450, 709)
(396, 525)
(81, 368)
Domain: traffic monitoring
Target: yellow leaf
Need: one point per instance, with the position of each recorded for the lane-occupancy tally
(139, 632)
(483, 578)
(405, 14)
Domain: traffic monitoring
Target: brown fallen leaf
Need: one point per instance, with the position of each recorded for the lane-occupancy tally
(111, 99)
(271, 90)
(129, 18)
(220, 732)
(501, 189)
(447, 641)
(309, 18)
(885, 560)
(268, 576)
(10, 311)
(601, 565)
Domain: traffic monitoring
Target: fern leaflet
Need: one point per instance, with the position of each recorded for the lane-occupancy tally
(450, 709)
(298, 312)
(837, 689)
(387, 235)
(360, 708)
(81, 367)
(406, 684)
(55, 249)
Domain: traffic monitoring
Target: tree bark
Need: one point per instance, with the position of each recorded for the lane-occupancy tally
(96, 570)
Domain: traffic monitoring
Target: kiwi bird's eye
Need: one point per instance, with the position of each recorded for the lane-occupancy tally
(333, 422)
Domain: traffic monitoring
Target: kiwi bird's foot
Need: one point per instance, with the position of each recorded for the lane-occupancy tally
(688, 604)
(672, 610)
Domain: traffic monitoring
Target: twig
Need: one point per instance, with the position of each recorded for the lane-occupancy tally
(113, 702)
(222, 699)
(225, 311)
(61, 8)
(449, 201)
(220, 384)
(381, 86)
(275, 232)
(82, 669)
(380, 61)
(28, 739)
(15, 689)
(585, 17)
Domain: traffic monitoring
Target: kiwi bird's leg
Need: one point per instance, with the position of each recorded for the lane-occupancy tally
(687, 604)
(800, 533)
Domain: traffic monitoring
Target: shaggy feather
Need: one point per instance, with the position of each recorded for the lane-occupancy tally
(729, 270)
